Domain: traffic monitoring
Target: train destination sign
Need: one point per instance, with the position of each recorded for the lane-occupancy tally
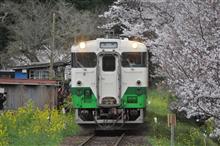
(108, 45)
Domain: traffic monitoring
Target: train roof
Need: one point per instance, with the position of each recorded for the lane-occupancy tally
(119, 45)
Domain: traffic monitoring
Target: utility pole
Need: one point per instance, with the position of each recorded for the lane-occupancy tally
(51, 71)
(172, 135)
(171, 121)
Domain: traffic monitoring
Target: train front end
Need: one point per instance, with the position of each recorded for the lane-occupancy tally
(109, 82)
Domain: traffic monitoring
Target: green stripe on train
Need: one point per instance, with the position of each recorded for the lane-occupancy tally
(83, 97)
(134, 97)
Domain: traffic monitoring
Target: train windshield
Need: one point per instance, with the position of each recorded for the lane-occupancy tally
(83, 60)
(108, 63)
(133, 59)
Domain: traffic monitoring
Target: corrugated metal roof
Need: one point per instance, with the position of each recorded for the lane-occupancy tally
(28, 82)
(40, 65)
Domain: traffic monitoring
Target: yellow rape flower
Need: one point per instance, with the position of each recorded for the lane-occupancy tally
(3, 136)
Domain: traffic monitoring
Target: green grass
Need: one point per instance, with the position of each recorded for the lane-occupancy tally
(71, 128)
(187, 133)
(158, 102)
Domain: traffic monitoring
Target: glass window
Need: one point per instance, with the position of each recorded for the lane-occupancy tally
(45, 74)
(81, 60)
(108, 63)
(39, 74)
(133, 59)
(36, 74)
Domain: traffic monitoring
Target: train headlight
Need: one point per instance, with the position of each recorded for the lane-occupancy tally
(82, 45)
(134, 45)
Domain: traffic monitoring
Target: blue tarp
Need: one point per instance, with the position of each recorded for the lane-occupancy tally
(20, 75)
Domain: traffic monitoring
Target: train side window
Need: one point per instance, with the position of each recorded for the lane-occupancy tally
(133, 59)
(83, 60)
(108, 63)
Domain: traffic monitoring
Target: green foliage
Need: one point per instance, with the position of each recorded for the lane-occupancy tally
(31, 126)
(209, 125)
(155, 141)
(71, 128)
(186, 133)
(158, 100)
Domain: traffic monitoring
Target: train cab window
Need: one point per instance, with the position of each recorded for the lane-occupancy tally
(133, 59)
(83, 60)
(108, 63)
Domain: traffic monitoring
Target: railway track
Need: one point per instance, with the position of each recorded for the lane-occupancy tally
(103, 140)
(109, 138)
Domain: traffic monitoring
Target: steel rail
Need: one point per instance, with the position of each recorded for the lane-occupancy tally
(87, 140)
(119, 139)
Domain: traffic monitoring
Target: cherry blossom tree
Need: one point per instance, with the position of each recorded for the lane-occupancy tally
(184, 38)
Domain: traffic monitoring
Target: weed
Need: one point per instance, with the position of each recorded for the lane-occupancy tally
(31, 126)
(186, 133)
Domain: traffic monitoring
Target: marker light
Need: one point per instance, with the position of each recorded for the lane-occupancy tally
(138, 82)
(134, 45)
(87, 93)
(82, 45)
(79, 83)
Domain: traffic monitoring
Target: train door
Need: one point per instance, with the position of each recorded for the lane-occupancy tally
(109, 79)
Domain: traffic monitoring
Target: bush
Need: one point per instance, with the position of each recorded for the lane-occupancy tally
(31, 126)
(187, 133)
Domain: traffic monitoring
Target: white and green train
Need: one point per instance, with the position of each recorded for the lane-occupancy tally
(109, 79)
